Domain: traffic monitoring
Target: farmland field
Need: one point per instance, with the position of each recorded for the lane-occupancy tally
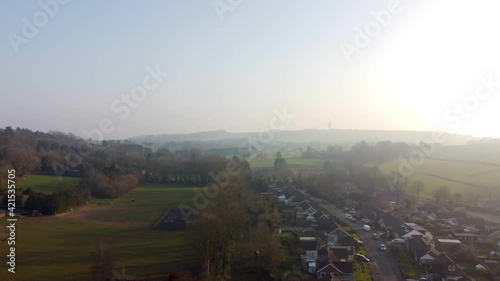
(59, 247)
(293, 158)
(458, 176)
(481, 153)
(46, 184)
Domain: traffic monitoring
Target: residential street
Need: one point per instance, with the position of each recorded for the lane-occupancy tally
(383, 265)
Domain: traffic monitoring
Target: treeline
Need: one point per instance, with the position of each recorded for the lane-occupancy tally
(104, 186)
(48, 204)
(337, 179)
(58, 202)
(227, 224)
(362, 151)
(110, 168)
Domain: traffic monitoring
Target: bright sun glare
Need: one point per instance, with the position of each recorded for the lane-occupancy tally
(435, 62)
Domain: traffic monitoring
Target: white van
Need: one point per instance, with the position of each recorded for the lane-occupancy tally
(398, 241)
(366, 227)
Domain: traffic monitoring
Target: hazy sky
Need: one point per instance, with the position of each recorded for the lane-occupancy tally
(231, 62)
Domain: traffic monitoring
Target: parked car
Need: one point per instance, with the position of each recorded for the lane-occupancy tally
(383, 247)
(376, 236)
(366, 221)
(367, 227)
(398, 241)
(347, 216)
(353, 220)
(362, 258)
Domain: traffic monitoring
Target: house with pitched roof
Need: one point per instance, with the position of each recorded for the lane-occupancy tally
(422, 251)
(342, 241)
(401, 229)
(320, 215)
(466, 236)
(304, 210)
(338, 254)
(431, 211)
(326, 227)
(373, 213)
(335, 271)
(444, 268)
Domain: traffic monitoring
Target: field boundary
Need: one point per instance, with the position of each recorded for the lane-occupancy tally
(467, 184)
(466, 162)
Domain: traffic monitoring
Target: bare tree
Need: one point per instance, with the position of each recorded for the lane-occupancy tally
(213, 246)
(271, 252)
(442, 193)
(418, 186)
(103, 261)
(457, 197)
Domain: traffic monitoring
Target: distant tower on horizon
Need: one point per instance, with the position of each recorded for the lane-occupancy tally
(329, 125)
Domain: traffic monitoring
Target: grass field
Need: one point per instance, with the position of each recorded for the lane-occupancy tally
(293, 158)
(46, 184)
(59, 247)
(487, 153)
(458, 176)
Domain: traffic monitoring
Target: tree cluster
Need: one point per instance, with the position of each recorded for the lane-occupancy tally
(110, 168)
(58, 202)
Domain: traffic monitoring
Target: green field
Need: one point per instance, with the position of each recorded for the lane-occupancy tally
(46, 184)
(486, 153)
(458, 176)
(59, 247)
(293, 158)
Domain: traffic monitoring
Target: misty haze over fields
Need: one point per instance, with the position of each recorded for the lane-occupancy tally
(236, 140)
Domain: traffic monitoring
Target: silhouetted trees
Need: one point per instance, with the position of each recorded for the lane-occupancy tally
(442, 194)
(271, 252)
(103, 261)
(224, 220)
(60, 201)
(417, 186)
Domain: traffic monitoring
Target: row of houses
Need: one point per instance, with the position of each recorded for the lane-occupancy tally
(420, 243)
(329, 253)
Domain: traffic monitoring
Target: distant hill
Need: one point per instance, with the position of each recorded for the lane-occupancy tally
(305, 136)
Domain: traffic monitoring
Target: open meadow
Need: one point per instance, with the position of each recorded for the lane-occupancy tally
(460, 177)
(45, 184)
(59, 247)
(480, 153)
(293, 159)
